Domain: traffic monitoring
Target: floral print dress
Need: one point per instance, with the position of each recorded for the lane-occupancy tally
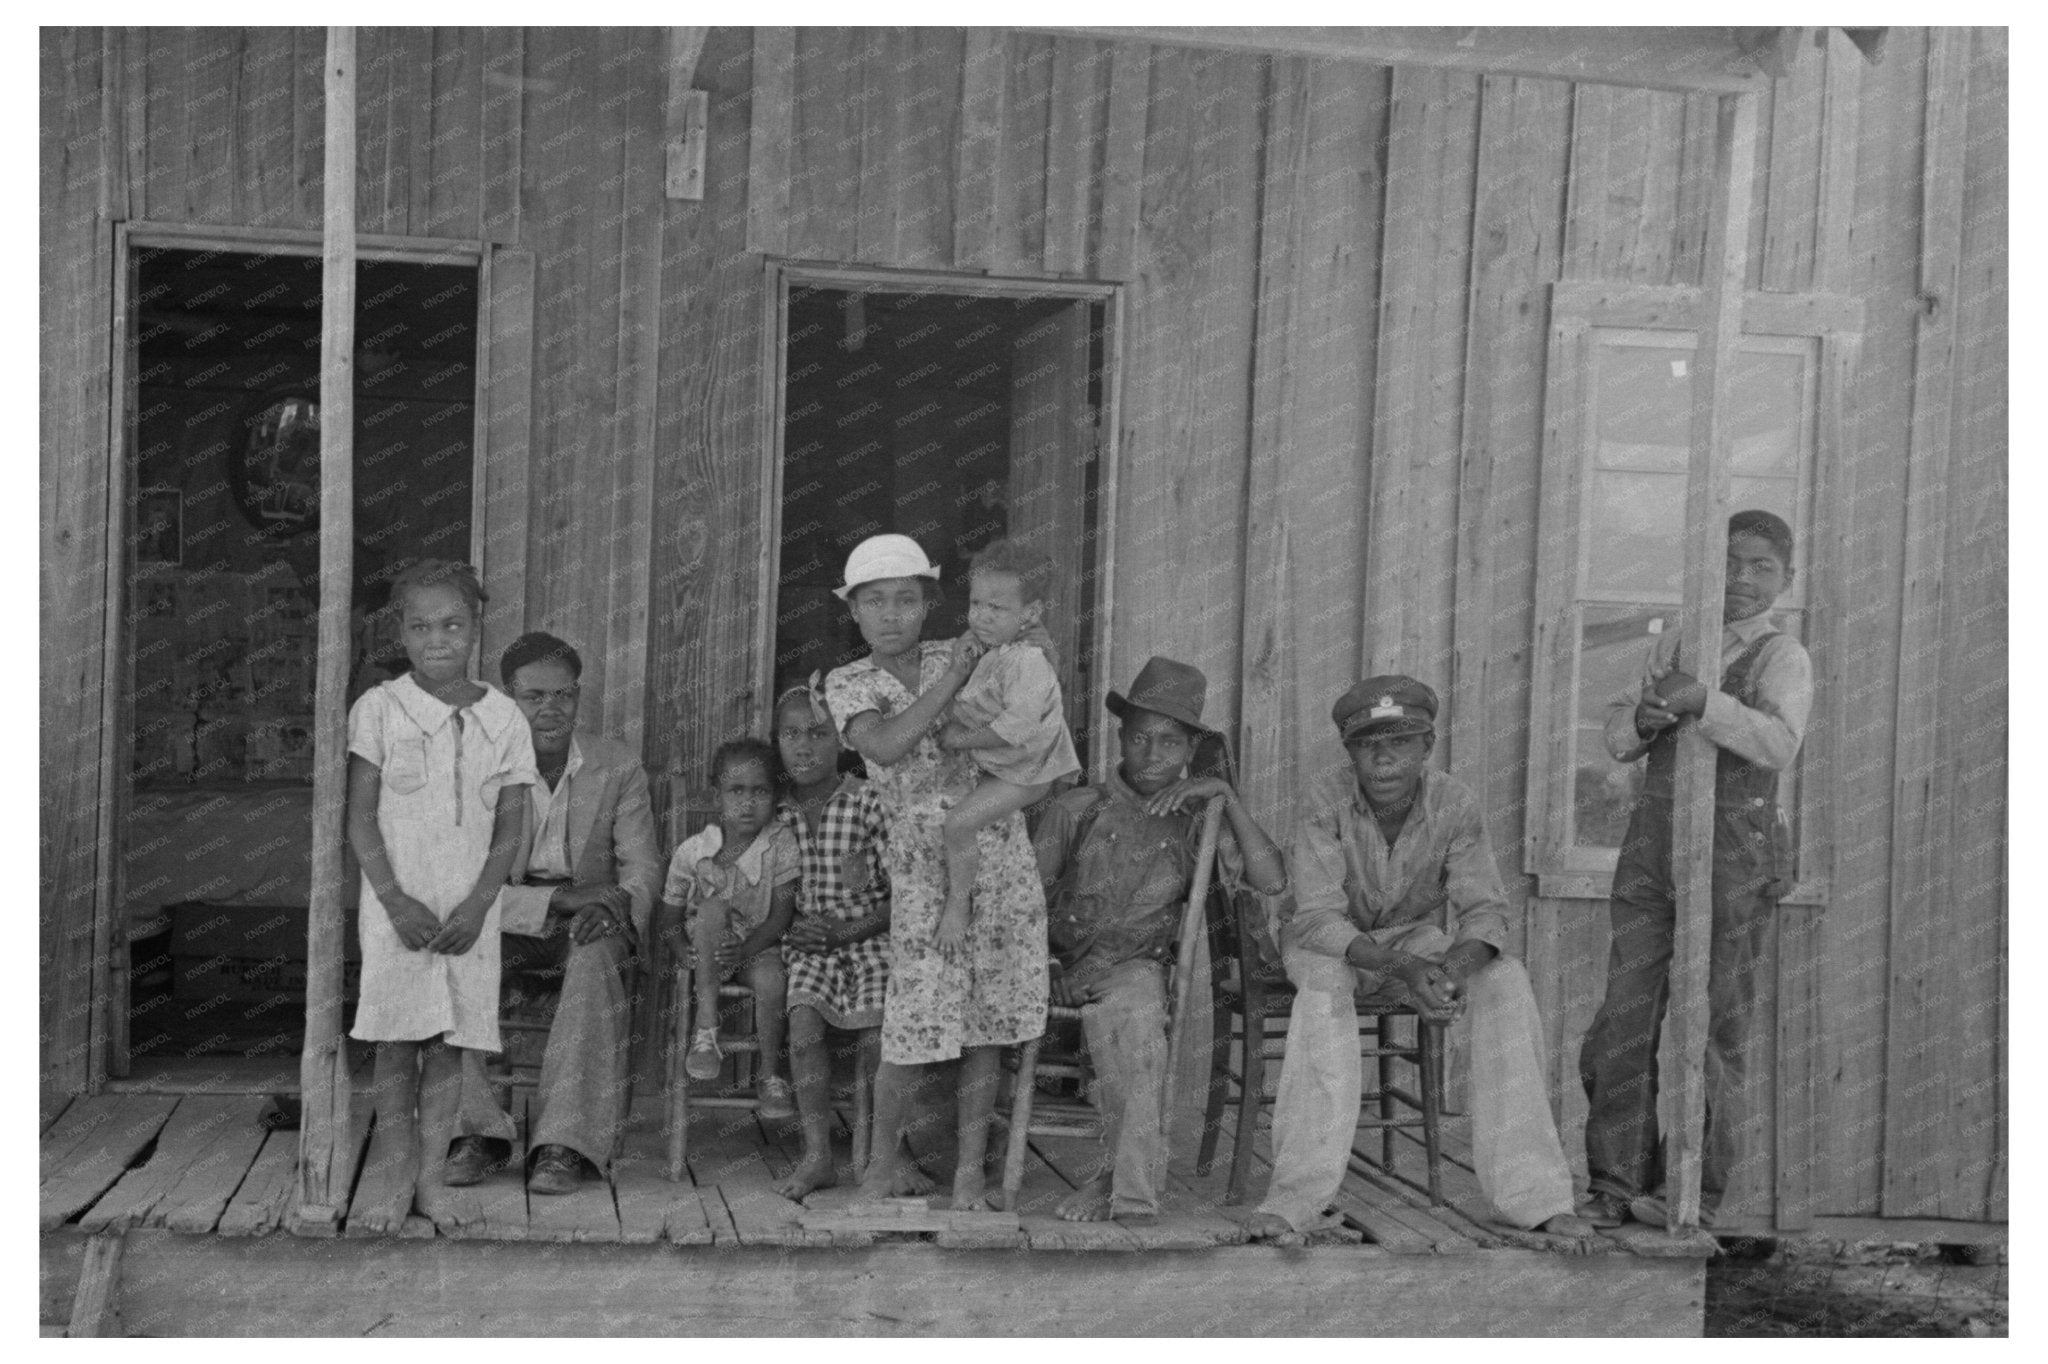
(996, 995)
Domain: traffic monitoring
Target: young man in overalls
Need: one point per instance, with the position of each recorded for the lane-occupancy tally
(1756, 720)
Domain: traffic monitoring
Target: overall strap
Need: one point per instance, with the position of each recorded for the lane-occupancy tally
(1735, 679)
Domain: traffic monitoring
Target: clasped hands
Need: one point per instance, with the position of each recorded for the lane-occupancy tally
(598, 911)
(1669, 695)
(420, 931)
(1437, 989)
(815, 933)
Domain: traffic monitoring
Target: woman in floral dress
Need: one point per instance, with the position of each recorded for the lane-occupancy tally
(889, 706)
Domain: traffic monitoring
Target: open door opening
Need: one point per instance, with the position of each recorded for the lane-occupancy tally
(213, 833)
(956, 419)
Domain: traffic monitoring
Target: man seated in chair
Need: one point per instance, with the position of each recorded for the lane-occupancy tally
(1118, 860)
(577, 908)
(1384, 846)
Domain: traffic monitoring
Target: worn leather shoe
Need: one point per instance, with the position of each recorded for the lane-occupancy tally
(1604, 1209)
(556, 1170)
(469, 1162)
(1652, 1210)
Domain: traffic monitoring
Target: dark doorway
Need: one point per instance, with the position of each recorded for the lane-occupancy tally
(223, 591)
(954, 419)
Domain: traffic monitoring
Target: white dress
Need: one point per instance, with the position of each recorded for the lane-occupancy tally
(441, 768)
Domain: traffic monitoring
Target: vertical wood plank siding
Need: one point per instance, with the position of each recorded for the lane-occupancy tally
(73, 505)
(1518, 229)
(1366, 421)
(1855, 930)
(1974, 662)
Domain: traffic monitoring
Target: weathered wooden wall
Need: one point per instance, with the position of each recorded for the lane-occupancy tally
(1333, 334)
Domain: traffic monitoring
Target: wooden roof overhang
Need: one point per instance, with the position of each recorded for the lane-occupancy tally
(1699, 60)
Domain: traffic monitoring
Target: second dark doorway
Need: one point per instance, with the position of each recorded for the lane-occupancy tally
(954, 419)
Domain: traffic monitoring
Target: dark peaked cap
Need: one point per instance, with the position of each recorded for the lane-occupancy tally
(1388, 704)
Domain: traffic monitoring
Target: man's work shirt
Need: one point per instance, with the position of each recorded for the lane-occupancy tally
(1118, 896)
(550, 816)
(1347, 881)
(1768, 735)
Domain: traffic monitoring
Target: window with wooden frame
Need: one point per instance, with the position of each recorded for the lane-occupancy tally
(1609, 573)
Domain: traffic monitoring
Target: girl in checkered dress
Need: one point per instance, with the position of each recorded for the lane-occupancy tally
(837, 951)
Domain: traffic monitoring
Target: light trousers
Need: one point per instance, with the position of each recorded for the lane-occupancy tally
(581, 1102)
(1520, 1163)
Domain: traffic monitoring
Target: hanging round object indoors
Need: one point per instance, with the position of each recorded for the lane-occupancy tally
(276, 474)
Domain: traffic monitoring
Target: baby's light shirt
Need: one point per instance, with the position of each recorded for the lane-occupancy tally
(1014, 692)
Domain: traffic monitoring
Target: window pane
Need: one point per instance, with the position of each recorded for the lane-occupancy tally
(1635, 527)
(1766, 494)
(1769, 414)
(1642, 405)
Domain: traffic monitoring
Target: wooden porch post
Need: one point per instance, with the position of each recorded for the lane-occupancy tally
(1723, 275)
(323, 1065)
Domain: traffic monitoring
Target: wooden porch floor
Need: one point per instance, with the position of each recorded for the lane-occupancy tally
(192, 1185)
(202, 1163)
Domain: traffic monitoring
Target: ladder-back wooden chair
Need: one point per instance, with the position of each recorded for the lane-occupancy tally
(1032, 1114)
(1253, 1003)
(740, 1043)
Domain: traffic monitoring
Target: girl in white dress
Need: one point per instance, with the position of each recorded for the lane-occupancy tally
(437, 775)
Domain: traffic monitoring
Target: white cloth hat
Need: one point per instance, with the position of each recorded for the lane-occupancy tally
(885, 556)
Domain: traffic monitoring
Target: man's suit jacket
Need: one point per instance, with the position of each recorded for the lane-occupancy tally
(611, 837)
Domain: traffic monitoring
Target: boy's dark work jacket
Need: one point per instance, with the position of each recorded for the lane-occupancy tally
(1116, 877)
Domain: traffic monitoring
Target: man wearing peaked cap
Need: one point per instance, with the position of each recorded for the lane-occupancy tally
(1389, 852)
(1117, 860)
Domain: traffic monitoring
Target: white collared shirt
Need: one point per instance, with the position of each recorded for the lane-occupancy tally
(550, 855)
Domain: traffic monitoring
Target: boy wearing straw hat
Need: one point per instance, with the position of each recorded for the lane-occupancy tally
(1118, 860)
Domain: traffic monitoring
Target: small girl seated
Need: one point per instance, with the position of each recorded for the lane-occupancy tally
(736, 881)
(1008, 717)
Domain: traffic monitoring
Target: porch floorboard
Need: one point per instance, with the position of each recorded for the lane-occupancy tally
(200, 1163)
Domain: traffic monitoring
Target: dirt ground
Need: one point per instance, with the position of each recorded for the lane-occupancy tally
(1831, 1288)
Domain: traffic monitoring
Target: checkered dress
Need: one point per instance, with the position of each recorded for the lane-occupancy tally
(847, 984)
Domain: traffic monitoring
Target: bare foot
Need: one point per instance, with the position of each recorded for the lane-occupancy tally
(910, 1181)
(1089, 1203)
(879, 1182)
(970, 1189)
(815, 1172)
(452, 1211)
(1267, 1226)
(1584, 1237)
(392, 1166)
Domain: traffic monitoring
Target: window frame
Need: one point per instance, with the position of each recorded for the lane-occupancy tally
(1577, 309)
